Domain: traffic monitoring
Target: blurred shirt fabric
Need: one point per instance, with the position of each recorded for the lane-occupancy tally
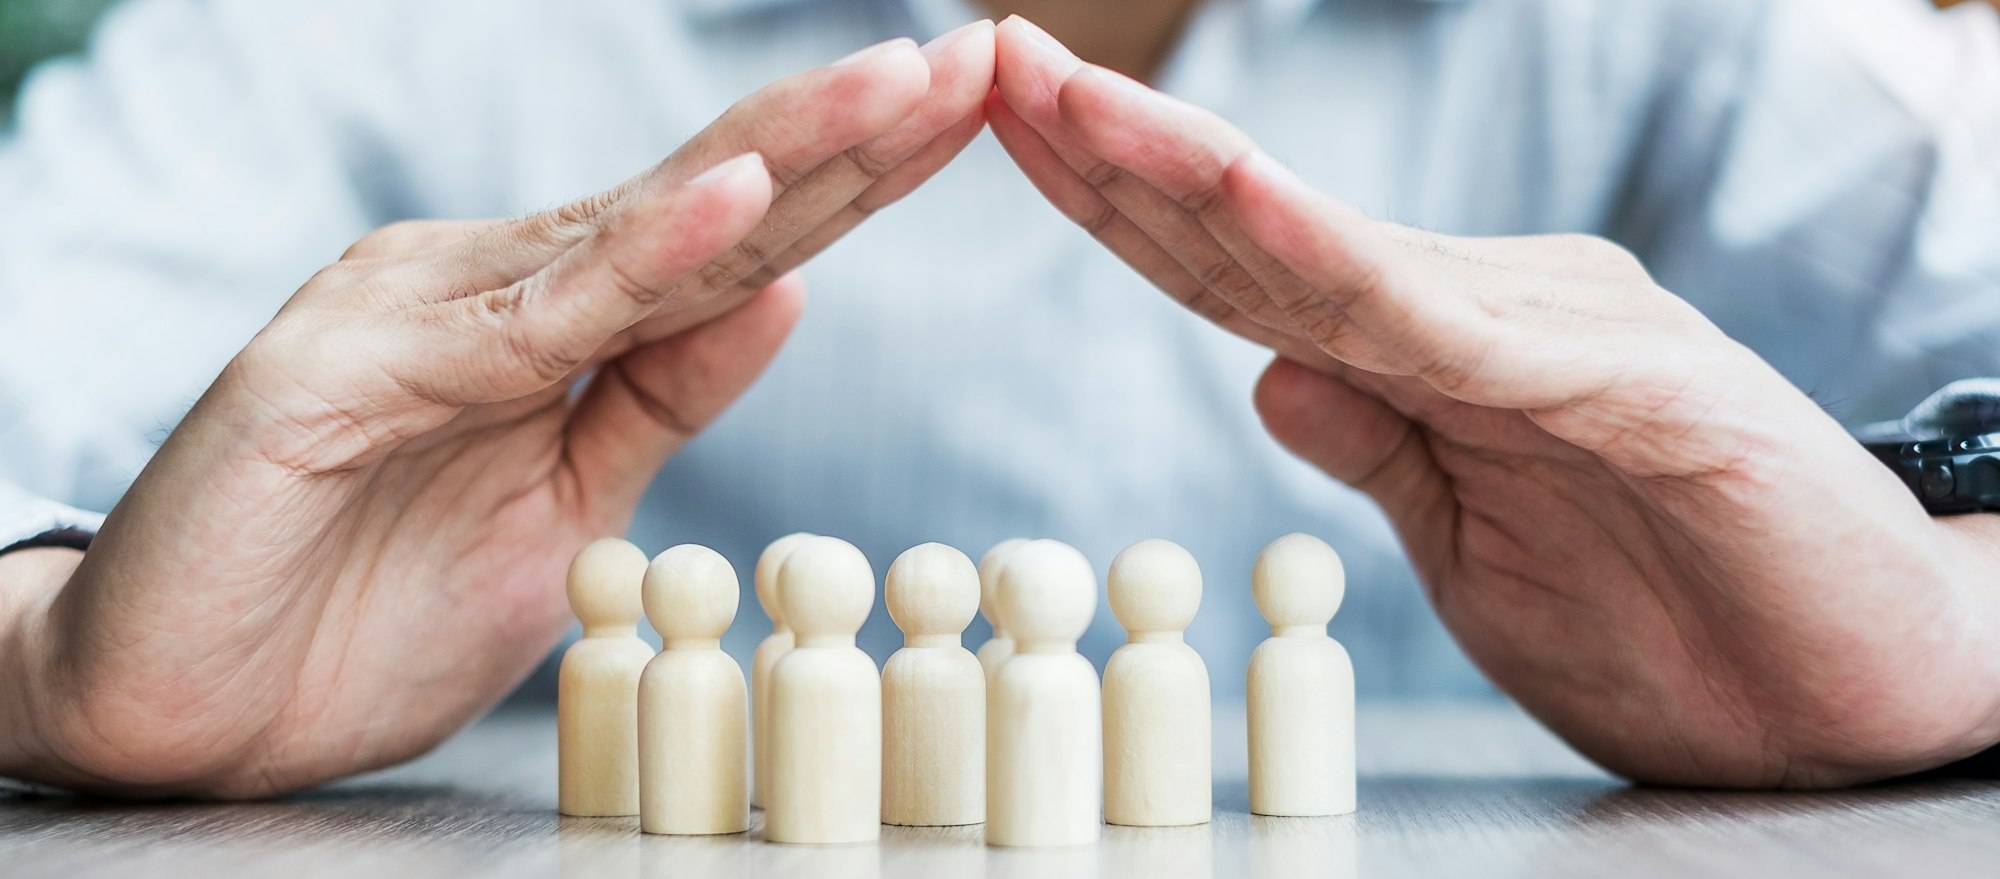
(1818, 177)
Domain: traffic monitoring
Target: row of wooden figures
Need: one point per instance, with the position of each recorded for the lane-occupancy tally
(1016, 738)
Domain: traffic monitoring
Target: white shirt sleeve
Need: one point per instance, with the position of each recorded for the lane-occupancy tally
(160, 198)
(1823, 180)
(24, 516)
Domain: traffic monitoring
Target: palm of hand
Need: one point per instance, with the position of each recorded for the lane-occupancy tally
(364, 608)
(353, 543)
(1648, 619)
(1632, 524)
(1597, 486)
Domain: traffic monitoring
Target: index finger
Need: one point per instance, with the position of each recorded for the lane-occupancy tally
(795, 125)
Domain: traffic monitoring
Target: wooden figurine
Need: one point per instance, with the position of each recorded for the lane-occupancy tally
(597, 738)
(773, 646)
(1300, 694)
(1001, 645)
(693, 709)
(1044, 781)
(933, 694)
(1156, 693)
(826, 703)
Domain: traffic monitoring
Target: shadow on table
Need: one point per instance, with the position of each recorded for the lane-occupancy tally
(380, 812)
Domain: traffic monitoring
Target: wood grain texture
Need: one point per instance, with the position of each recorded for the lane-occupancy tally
(1475, 790)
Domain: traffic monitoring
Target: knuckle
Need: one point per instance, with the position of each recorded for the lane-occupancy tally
(558, 226)
(1449, 371)
(655, 407)
(507, 301)
(741, 262)
(749, 253)
(784, 173)
(1209, 306)
(343, 275)
(1229, 279)
(761, 277)
(719, 275)
(1602, 256)
(1204, 200)
(1364, 279)
(586, 210)
(867, 162)
(1321, 322)
(1098, 222)
(532, 345)
(383, 241)
(633, 288)
(1102, 174)
(540, 358)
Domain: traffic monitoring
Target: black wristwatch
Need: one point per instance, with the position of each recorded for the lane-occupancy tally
(1947, 450)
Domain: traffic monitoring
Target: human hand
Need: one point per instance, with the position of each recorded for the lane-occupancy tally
(354, 542)
(1635, 526)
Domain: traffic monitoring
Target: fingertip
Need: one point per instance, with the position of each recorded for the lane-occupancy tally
(874, 53)
(734, 173)
(1283, 391)
(1293, 221)
(1249, 189)
(786, 296)
(1028, 35)
(1029, 68)
(995, 106)
(879, 86)
(732, 196)
(965, 37)
(1094, 102)
(961, 68)
(901, 68)
(1324, 420)
(1255, 180)
(762, 324)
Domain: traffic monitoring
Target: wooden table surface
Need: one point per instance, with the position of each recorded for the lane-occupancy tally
(1445, 790)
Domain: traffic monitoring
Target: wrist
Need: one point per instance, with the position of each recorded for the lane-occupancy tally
(1975, 540)
(1941, 702)
(30, 580)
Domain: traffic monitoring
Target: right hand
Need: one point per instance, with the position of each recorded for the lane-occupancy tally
(355, 541)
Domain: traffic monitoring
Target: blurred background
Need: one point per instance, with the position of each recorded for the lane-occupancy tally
(31, 30)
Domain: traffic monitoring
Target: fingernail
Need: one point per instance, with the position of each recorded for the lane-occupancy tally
(1041, 36)
(880, 48)
(727, 168)
(953, 35)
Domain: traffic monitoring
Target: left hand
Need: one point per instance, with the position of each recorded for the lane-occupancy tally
(1633, 524)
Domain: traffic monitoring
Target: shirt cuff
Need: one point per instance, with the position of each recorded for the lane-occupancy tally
(29, 521)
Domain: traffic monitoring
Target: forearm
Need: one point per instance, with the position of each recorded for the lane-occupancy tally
(29, 582)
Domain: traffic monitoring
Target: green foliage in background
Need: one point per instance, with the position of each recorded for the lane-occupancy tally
(31, 30)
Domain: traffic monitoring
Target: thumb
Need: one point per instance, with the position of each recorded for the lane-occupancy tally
(641, 407)
(1360, 440)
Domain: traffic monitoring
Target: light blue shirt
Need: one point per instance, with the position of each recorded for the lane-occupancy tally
(1821, 177)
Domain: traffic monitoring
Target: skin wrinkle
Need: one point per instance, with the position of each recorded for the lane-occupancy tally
(327, 560)
(1709, 644)
(1743, 714)
(1555, 309)
(661, 412)
(1112, 227)
(369, 575)
(1692, 755)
